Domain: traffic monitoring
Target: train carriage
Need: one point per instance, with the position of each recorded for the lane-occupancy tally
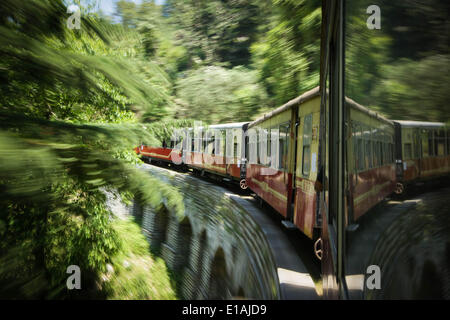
(159, 154)
(289, 187)
(423, 151)
(218, 150)
(370, 159)
(277, 157)
(269, 177)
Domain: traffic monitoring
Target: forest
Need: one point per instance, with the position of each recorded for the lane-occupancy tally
(75, 102)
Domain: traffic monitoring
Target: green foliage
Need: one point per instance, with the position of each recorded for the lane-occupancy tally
(136, 275)
(216, 31)
(419, 100)
(51, 176)
(163, 130)
(41, 58)
(365, 54)
(216, 94)
(287, 56)
(67, 111)
(401, 70)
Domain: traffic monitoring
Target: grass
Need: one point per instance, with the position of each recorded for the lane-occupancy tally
(136, 273)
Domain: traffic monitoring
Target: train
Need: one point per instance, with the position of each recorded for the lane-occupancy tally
(277, 155)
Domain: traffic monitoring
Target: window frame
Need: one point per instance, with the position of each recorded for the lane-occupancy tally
(307, 144)
(285, 151)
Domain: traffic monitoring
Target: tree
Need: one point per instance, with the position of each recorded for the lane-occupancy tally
(67, 131)
(287, 55)
(402, 69)
(215, 94)
(216, 31)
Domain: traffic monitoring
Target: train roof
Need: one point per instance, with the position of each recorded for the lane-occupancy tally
(222, 126)
(296, 101)
(309, 95)
(227, 125)
(419, 124)
(366, 110)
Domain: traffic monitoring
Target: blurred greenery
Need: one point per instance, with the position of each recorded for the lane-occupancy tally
(70, 101)
(401, 70)
(204, 94)
(287, 56)
(136, 274)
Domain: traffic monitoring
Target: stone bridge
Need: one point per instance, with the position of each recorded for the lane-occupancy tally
(217, 249)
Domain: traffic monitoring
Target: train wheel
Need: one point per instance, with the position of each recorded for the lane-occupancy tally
(318, 248)
(399, 188)
(243, 184)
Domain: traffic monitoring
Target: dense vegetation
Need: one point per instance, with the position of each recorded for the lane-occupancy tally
(68, 106)
(231, 60)
(401, 70)
(74, 103)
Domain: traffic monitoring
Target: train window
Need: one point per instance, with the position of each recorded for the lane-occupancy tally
(368, 163)
(197, 141)
(430, 143)
(435, 142)
(355, 145)
(216, 147)
(223, 142)
(407, 151)
(307, 132)
(378, 150)
(252, 145)
(284, 146)
(207, 142)
(204, 142)
(218, 143)
(235, 147)
(262, 143)
(229, 143)
(258, 147)
(416, 142)
(187, 143)
(440, 149)
(425, 142)
(212, 144)
(360, 147)
(374, 149)
(386, 149)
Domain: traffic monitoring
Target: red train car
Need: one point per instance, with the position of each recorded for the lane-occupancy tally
(423, 151)
(284, 171)
(162, 154)
(370, 160)
(217, 150)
